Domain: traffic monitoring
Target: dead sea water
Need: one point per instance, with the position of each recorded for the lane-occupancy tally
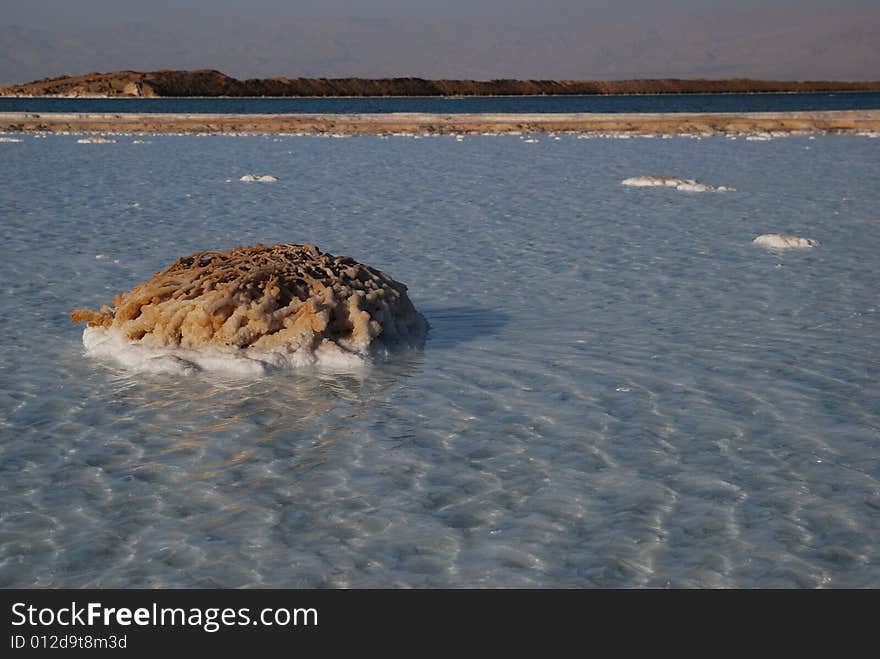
(765, 102)
(618, 387)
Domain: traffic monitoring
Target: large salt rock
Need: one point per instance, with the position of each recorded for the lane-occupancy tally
(279, 299)
(782, 241)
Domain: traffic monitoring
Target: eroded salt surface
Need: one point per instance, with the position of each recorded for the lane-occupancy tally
(685, 185)
(783, 241)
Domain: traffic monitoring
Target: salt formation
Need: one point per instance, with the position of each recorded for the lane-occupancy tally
(97, 139)
(10, 139)
(256, 178)
(782, 241)
(683, 184)
(264, 306)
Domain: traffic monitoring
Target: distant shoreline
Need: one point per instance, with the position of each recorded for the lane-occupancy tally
(210, 83)
(837, 121)
(434, 96)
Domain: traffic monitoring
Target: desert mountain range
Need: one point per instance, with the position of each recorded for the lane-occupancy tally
(215, 83)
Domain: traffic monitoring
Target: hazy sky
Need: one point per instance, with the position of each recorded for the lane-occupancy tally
(495, 13)
(452, 38)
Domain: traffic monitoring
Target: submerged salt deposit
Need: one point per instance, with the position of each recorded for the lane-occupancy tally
(683, 184)
(783, 241)
(252, 308)
(258, 178)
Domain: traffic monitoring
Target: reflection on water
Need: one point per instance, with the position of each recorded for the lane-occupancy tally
(617, 389)
(450, 326)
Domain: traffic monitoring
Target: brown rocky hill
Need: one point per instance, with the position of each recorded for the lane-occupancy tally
(215, 83)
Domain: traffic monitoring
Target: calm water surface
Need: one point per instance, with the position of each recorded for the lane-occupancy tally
(618, 388)
(455, 105)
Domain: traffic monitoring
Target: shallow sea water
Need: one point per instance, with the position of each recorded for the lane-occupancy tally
(618, 388)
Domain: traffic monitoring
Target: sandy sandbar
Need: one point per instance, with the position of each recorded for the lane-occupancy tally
(845, 121)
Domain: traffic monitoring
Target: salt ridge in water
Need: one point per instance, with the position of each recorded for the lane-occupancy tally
(258, 178)
(253, 308)
(98, 139)
(685, 185)
(783, 241)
